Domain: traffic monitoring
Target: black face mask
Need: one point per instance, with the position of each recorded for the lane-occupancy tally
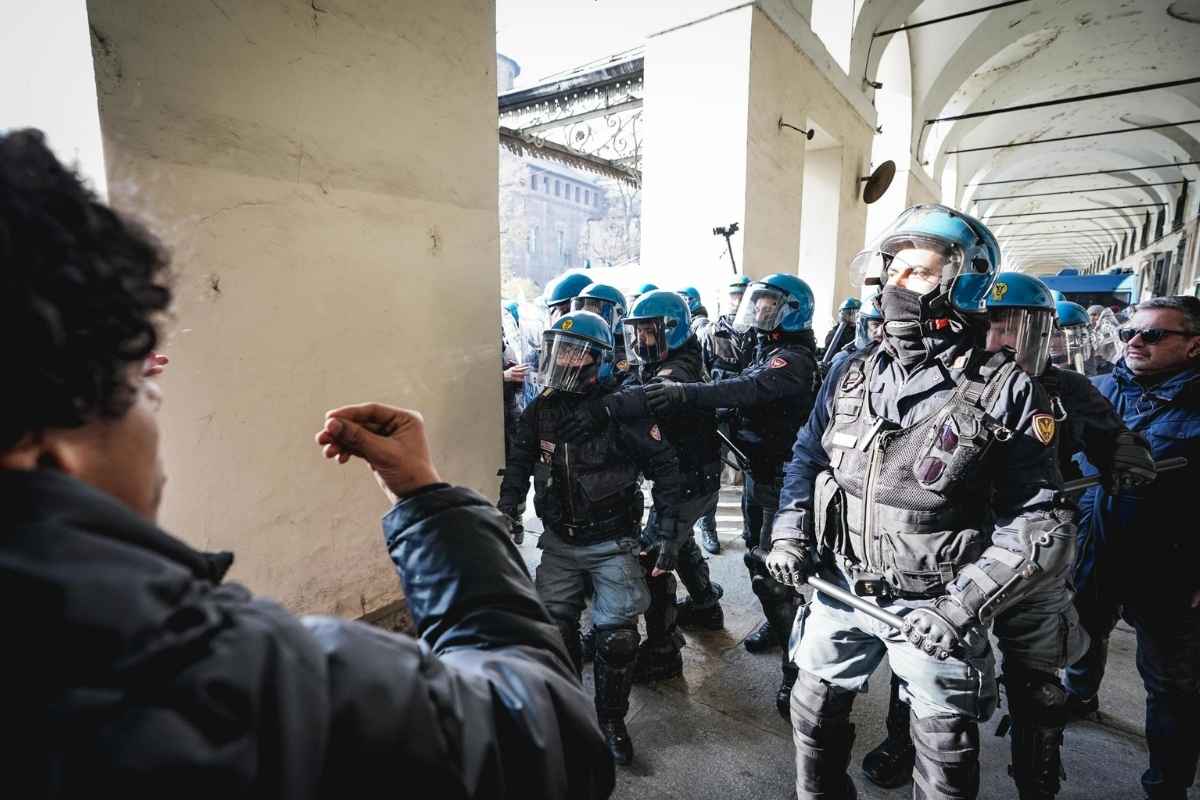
(900, 304)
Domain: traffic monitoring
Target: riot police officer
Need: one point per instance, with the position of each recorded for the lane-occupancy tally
(659, 343)
(1071, 343)
(772, 397)
(691, 296)
(562, 291)
(1040, 634)
(588, 499)
(841, 334)
(924, 479)
(645, 287)
(727, 351)
(609, 303)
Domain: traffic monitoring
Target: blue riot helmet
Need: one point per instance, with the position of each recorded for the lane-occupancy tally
(850, 304)
(1057, 295)
(956, 277)
(641, 290)
(602, 299)
(869, 327)
(736, 289)
(1071, 344)
(777, 302)
(691, 296)
(658, 323)
(562, 290)
(574, 350)
(1021, 316)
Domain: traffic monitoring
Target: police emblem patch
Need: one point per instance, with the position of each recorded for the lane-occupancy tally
(1043, 428)
(622, 365)
(854, 378)
(999, 290)
(568, 324)
(655, 433)
(777, 362)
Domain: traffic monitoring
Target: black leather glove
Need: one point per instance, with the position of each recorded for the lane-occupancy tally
(668, 555)
(665, 396)
(590, 417)
(1132, 463)
(943, 629)
(516, 526)
(790, 562)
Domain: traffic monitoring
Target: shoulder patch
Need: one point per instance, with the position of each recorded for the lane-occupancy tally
(655, 433)
(622, 366)
(778, 362)
(547, 392)
(1043, 428)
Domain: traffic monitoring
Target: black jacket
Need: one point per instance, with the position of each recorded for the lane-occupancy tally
(591, 486)
(773, 397)
(693, 431)
(133, 671)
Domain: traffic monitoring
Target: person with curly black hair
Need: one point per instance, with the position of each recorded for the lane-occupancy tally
(133, 669)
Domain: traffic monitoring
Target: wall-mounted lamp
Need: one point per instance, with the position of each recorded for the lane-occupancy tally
(809, 134)
(873, 84)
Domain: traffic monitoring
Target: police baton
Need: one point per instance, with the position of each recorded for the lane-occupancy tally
(838, 593)
(1166, 465)
(743, 462)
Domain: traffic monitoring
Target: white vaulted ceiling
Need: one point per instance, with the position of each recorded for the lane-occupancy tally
(1037, 51)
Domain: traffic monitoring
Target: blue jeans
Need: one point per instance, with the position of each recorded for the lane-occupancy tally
(620, 593)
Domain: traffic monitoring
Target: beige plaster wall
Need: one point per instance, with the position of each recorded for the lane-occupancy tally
(326, 176)
(785, 80)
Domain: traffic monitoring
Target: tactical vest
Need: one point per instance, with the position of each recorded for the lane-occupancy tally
(910, 504)
(585, 492)
(767, 431)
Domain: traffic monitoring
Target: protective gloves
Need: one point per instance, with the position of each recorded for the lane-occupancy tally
(665, 396)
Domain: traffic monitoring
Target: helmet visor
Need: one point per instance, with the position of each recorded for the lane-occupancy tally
(762, 307)
(1070, 348)
(605, 308)
(867, 330)
(1028, 331)
(734, 300)
(646, 339)
(510, 332)
(569, 363)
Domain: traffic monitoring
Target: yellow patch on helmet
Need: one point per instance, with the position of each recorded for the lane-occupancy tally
(999, 289)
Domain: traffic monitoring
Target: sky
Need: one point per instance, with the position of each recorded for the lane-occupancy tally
(548, 36)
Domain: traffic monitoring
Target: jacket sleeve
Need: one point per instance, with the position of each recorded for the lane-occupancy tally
(809, 459)
(1033, 540)
(657, 460)
(486, 703)
(784, 375)
(1092, 419)
(522, 455)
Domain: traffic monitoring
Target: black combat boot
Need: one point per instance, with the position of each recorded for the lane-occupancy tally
(891, 763)
(761, 640)
(709, 541)
(1037, 706)
(616, 649)
(708, 616)
(658, 658)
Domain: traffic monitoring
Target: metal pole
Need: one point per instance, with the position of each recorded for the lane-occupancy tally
(960, 15)
(1075, 210)
(1074, 136)
(1127, 187)
(1087, 174)
(1081, 98)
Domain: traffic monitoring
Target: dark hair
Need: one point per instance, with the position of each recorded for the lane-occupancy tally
(81, 289)
(1185, 304)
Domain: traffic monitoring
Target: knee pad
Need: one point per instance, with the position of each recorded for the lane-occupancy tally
(617, 645)
(1035, 697)
(819, 707)
(947, 749)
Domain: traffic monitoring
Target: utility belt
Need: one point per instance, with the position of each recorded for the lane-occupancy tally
(867, 584)
(621, 521)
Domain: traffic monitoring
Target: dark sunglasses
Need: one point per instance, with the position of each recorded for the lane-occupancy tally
(1149, 335)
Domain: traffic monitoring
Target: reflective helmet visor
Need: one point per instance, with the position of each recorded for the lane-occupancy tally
(514, 344)
(605, 308)
(569, 363)
(762, 307)
(735, 299)
(646, 339)
(1070, 348)
(1028, 331)
(867, 330)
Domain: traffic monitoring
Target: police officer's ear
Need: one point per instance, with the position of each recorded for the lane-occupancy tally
(1193, 352)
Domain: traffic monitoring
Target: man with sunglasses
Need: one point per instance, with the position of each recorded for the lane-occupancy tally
(926, 477)
(1135, 561)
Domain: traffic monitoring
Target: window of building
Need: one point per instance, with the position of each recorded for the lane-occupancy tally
(577, 194)
(557, 189)
(587, 198)
(533, 238)
(562, 242)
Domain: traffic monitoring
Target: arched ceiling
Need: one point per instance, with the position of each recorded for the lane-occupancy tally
(1037, 51)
